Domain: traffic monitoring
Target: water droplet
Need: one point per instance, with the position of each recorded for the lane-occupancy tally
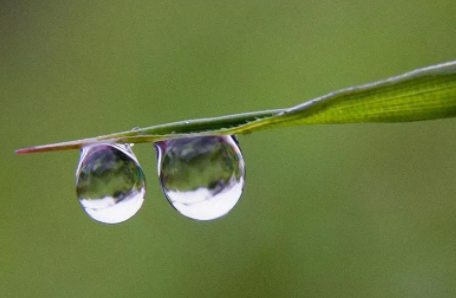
(202, 177)
(110, 184)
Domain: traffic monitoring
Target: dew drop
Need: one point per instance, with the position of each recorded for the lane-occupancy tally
(202, 177)
(110, 184)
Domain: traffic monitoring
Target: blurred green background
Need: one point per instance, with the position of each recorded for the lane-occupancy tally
(327, 211)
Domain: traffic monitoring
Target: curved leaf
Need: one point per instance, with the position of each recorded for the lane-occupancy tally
(423, 94)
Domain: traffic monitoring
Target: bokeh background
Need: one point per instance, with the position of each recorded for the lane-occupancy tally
(327, 211)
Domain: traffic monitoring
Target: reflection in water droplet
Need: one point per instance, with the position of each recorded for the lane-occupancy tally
(110, 184)
(202, 177)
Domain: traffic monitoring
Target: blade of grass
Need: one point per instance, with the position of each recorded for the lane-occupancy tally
(159, 132)
(424, 94)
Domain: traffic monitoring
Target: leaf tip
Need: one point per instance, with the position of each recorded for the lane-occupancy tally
(24, 150)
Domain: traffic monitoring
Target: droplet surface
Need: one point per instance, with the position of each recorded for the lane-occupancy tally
(202, 177)
(110, 183)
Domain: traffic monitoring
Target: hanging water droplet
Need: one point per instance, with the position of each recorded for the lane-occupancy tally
(202, 177)
(110, 184)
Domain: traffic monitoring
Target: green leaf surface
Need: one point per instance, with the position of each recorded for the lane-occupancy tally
(424, 94)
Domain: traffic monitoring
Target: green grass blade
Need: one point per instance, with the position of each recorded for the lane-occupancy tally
(423, 94)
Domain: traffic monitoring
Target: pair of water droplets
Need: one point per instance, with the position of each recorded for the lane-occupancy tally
(202, 178)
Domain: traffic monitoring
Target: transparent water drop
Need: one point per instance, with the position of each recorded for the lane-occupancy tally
(110, 184)
(202, 177)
